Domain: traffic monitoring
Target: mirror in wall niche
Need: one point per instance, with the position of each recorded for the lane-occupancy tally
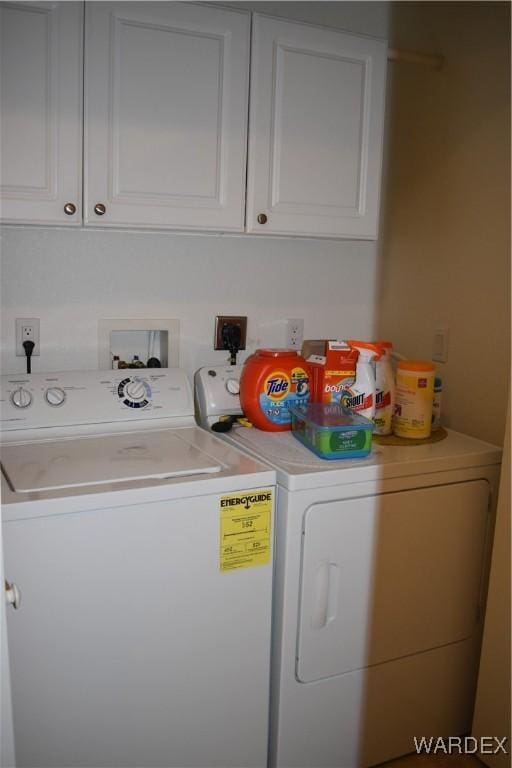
(137, 349)
(138, 343)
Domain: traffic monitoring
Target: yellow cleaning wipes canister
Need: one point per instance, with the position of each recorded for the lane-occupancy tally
(413, 398)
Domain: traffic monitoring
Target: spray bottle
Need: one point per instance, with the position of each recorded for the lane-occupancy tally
(385, 389)
(436, 405)
(361, 395)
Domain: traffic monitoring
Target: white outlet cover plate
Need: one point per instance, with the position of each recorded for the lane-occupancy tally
(440, 346)
(21, 322)
(294, 333)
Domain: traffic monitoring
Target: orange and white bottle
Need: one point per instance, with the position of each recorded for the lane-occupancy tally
(384, 390)
(360, 397)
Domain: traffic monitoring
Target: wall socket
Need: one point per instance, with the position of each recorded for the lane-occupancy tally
(221, 322)
(440, 345)
(294, 333)
(27, 329)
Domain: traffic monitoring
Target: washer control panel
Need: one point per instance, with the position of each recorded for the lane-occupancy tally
(73, 398)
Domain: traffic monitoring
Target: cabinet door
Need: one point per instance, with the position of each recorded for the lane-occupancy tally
(315, 133)
(165, 115)
(41, 112)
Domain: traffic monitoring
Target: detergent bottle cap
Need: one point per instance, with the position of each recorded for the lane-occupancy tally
(368, 350)
(277, 353)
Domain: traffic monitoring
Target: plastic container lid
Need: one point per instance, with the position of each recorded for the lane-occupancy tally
(415, 365)
(330, 416)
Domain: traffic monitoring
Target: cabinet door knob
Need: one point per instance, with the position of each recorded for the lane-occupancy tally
(100, 209)
(262, 218)
(70, 209)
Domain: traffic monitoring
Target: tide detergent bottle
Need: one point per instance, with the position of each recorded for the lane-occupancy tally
(271, 380)
(360, 397)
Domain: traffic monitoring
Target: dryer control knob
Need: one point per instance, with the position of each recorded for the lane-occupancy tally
(233, 386)
(135, 390)
(55, 396)
(21, 398)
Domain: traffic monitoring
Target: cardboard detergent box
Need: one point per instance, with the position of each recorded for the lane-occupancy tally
(332, 367)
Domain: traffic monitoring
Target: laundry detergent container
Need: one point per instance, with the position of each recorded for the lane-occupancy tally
(271, 381)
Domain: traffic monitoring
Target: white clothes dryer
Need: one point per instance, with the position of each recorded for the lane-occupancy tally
(379, 589)
(138, 554)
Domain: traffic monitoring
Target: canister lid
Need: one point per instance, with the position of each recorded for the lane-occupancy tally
(416, 365)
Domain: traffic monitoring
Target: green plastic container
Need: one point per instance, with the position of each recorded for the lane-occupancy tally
(331, 431)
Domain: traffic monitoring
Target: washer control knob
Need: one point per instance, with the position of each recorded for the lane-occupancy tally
(233, 386)
(21, 398)
(135, 390)
(54, 396)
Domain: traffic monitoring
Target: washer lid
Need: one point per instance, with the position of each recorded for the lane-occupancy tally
(108, 459)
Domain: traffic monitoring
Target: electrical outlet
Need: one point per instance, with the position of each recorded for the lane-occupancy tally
(224, 321)
(440, 345)
(27, 329)
(294, 333)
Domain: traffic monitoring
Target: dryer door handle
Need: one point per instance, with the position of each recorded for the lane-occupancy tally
(325, 595)
(12, 594)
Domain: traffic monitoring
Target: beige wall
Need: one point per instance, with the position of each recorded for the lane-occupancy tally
(445, 247)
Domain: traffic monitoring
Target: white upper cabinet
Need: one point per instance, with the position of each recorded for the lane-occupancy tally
(165, 135)
(166, 89)
(315, 131)
(41, 112)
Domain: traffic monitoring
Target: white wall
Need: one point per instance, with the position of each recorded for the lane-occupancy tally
(70, 279)
(445, 239)
(445, 257)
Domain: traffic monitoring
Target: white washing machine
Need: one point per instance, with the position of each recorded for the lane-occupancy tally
(138, 554)
(380, 584)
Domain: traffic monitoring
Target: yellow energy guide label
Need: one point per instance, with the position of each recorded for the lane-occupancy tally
(245, 528)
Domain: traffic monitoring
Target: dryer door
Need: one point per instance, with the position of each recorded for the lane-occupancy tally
(391, 575)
